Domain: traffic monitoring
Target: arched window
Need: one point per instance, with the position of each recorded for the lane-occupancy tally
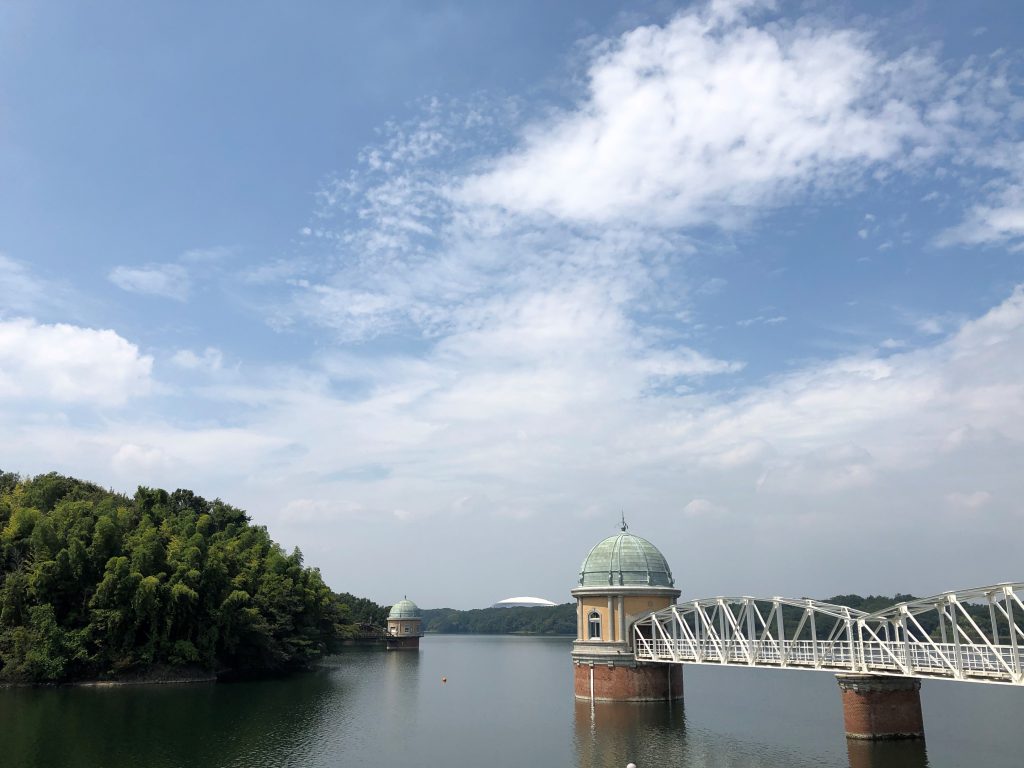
(594, 623)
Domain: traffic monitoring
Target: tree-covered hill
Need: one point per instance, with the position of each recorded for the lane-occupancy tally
(541, 620)
(561, 619)
(96, 584)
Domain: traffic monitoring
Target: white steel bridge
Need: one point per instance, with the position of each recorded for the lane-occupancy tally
(970, 635)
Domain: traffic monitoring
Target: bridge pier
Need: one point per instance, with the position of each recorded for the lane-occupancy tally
(879, 707)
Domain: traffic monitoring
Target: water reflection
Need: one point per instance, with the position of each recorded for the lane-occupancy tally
(612, 735)
(400, 683)
(251, 724)
(507, 704)
(887, 754)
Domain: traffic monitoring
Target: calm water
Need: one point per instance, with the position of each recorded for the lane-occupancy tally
(508, 702)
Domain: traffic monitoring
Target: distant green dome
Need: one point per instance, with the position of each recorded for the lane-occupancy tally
(625, 560)
(404, 609)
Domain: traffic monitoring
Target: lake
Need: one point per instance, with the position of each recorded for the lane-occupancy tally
(507, 702)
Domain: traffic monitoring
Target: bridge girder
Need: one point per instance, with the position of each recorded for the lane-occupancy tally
(971, 635)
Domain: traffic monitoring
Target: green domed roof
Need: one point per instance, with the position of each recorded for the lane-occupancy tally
(404, 609)
(625, 560)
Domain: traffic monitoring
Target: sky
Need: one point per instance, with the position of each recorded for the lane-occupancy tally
(438, 291)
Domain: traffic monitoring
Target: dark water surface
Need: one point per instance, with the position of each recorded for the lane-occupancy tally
(508, 702)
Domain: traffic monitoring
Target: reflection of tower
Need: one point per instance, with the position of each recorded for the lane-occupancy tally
(623, 578)
(614, 735)
(405, 626)
(401, 685)
(887, 754)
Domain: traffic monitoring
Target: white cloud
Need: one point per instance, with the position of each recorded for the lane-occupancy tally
(761, 320)
(168, 280)
(935, 325)
(707, 119)
(510, 406)
(999, 221)
(210, 360)
(703, 508)
(19, 290)
(68, 364)
(969, 501)
(139, 460)
(173, 280)
(212, 254)
(304, 511)
(834, 468)
(23, 292)
(842, 418)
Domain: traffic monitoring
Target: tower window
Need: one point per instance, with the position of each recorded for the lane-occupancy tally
(594, 624)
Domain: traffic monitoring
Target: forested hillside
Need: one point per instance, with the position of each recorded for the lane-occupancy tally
(542, 620)
(561, 619)
(96, 584)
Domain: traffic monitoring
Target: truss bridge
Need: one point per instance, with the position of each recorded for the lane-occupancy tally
(971, 635)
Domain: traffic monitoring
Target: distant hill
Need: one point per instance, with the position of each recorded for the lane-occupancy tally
(561, 619)
(541, 620)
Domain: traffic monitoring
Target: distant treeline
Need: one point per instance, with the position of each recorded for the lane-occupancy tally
(542, 620)
(96, 584)
(824, 626)
(929, 620)
(561, 619)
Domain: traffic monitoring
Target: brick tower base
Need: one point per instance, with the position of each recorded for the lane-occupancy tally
(629, 681)
(879, 707)
(403, 643)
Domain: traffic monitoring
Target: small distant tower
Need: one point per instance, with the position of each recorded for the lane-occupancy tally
(622, 578)
(405, 626)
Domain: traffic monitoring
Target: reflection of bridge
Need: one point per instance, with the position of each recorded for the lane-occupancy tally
(971, 635)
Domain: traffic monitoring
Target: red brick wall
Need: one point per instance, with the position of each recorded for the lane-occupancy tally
(403, 643)
(646, 682)
(882, 708)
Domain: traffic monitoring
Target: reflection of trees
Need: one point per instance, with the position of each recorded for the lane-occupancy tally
(260, 723)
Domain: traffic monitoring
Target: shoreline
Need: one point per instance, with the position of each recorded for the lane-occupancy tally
(156, 679)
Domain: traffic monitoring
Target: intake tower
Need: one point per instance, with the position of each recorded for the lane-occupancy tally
(623, 578)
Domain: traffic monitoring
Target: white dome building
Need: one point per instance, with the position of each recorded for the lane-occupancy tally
(524, 602)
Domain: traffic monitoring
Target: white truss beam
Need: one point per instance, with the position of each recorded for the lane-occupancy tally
(936, 637)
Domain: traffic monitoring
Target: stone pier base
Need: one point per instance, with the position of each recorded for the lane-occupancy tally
(630, 681)
(403, 643)
(878, 707)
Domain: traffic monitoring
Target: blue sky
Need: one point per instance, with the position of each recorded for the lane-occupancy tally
(435, 290)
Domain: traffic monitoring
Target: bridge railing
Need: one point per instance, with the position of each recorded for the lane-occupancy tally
(966, 635)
